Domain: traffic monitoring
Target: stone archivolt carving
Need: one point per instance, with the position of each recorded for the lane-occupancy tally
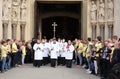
(101, 14)
(110, 8)
(23, 10)
(93, 11)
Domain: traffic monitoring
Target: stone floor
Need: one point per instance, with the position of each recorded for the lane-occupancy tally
(46, 72)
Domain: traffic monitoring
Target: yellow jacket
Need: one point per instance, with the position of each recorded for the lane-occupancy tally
(84, 51)
(23, 50)
(14, 48)
(80, 48)
(4, 51)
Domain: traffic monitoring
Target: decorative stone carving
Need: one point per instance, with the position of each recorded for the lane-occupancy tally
(101, 14)
(110, 8)
(93, 10)
(23, 10)
(16, 2)
(15, 13)
(6, 10)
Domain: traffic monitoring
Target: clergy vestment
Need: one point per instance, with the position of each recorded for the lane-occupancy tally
(38, 56)
(69, 55)
(59, 53)
(45, 52)
(63, 53)
(54, 53)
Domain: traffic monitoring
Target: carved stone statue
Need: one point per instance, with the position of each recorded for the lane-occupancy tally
(93, 10)
(6, 10)
(101, 13)
(110, 9)
(14, 13)
(23, 10)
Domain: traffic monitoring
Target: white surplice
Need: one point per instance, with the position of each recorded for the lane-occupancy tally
(54, 51)
(69, 52)
(38, 52)
(45, 50)
(63, 53)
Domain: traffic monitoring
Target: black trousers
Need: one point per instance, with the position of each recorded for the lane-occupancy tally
(59, 61)
(19, 58)
(68, 63)
(45, 60)
(14, 59)
(53, 62)
(37, 63)
(105, 67)
(63, 61)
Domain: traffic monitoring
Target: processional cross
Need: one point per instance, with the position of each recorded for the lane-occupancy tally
(54, 28)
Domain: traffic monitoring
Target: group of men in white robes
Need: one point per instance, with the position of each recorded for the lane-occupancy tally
(54, 52)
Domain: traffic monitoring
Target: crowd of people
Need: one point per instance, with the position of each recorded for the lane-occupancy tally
(14, 53)
(96, 56)
(99, 57)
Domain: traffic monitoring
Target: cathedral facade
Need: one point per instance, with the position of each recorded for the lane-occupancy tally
(22, 19)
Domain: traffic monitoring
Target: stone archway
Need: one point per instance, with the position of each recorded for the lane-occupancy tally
(42, 11)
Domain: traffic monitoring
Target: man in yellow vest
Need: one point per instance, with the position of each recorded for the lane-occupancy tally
(80, 51)
(14, 52)
(98, 46)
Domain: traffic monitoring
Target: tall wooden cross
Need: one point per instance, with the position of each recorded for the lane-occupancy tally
(54, 28)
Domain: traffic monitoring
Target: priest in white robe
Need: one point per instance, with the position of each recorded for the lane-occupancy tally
(54, 53)
(69, 48)
(63, 53)
(45, 51)
(38, 56)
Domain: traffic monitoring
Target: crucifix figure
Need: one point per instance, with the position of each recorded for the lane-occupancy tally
(54, 28)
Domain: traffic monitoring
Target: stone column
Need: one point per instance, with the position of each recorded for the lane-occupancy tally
(110, 30)
(93, 31)
(1, 29)
(14, 30)
(89, 29)
(84, 19)
(18, 31)
(9, 30)
(106, 25)
(117, 17)
(22, 32)
(98, 30)
(5, 30)
(106, 31)
(26, 32)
